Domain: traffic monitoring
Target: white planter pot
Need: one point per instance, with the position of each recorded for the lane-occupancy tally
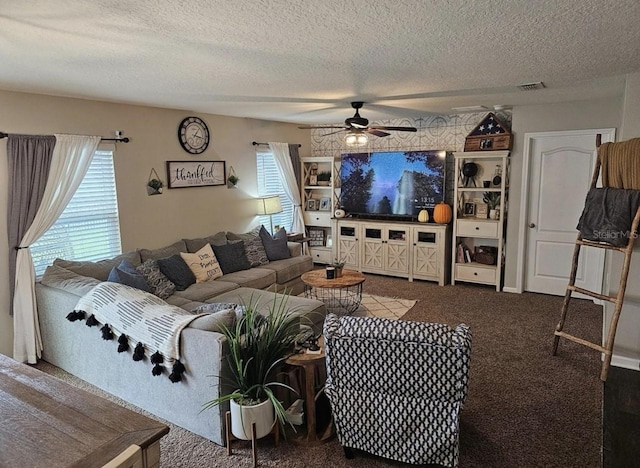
(243, 416)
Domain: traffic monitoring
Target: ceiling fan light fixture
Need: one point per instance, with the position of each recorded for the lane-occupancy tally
(356, 139)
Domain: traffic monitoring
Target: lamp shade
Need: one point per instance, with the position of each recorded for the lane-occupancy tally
(269, 205)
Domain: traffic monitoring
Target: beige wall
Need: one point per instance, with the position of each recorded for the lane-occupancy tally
(626, 352)
(579, 115)
(145, 221)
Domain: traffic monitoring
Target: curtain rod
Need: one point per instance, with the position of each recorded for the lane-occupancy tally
(255, 143)
(122, 139)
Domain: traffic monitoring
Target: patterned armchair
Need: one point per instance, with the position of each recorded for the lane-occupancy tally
(396, 388)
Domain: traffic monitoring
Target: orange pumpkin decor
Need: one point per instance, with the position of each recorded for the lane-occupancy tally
(442, 213)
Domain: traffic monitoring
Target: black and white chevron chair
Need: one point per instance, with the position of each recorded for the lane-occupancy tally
(396, 388)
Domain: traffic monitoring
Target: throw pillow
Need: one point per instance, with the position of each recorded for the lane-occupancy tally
(276, 246)
(126, 274)
(99, 270)
(159, 284)
(254, 250)
(255, 232)
(165, 252)
(232, 257)
(216, 321)
(177, 271)
(193, 245)
(203, 264)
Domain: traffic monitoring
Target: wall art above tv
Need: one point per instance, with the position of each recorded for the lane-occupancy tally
(392, 184)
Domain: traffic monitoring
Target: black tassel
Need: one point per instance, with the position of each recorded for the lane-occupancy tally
(176, 372)
(138, 352)
(124, 343)
(75, 315)
(91, 321)
(107, 334)
(156, 358)
(157, 370)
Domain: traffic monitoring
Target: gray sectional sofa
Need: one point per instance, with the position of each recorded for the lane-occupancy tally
(79, 349)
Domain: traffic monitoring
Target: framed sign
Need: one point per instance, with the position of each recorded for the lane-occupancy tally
(181, 174)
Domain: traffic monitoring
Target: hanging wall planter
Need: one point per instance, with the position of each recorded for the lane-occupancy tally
(232, 180)
(154, 184)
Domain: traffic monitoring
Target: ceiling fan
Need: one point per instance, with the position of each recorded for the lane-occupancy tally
(358, 124)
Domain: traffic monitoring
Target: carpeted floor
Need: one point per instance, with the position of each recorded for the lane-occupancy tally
(525, 407)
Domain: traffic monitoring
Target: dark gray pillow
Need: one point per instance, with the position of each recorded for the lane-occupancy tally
(255, 232)
(276, 246)
(160, 285)
(254, 249)
(126, 273)
(231, 257)
(177, 271)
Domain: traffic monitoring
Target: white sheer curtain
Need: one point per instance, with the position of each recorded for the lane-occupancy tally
(70, 161)
(285, 167)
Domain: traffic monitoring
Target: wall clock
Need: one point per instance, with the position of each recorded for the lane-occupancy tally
(193, 135)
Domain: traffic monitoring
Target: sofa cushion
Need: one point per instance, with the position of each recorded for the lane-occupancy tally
(203, 264)
(290, 268)
(159, 284)
(215, 321)
(99, 270)
(164, 252)
(193, 245)
(60, 278)
(177, 271)
(258, 278)
(276, 246)
(201, 292)
(232, 257)
(255, 232)
(126, 273)
(254, 250)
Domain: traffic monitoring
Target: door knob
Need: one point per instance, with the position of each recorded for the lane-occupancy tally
(532, 225)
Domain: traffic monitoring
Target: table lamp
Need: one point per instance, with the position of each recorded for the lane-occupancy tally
(269, 205)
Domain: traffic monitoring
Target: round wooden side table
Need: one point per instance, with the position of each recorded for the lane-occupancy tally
(342, 295)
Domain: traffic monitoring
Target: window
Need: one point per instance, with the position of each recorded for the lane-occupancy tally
(270, 183)
(88, 229)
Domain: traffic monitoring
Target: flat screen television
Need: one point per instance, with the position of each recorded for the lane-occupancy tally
(391, 184)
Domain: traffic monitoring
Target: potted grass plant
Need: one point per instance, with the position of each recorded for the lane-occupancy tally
(258, 344)
(492, 199)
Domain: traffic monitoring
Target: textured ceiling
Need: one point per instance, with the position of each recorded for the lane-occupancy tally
(304, 61)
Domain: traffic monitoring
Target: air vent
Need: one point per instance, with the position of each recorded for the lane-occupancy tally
(531, 86)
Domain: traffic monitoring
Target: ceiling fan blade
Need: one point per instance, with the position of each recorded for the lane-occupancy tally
(337, 131)
(395, 129)
(377, 132)
(312, 127)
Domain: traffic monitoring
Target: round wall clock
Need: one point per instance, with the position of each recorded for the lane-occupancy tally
(193, 135)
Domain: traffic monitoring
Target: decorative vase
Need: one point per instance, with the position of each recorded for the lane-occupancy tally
(338, 272)
(423, 216)
(340, 213)
(493, 214)
(243, 416)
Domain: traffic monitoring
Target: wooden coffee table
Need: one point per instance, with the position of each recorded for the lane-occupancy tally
(342, 296)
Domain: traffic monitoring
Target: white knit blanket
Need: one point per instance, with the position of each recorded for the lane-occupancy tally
(141, 316)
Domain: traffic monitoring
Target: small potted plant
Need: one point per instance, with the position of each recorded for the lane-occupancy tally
(258, 344)
(492, 199)
(154, 187)
(324, 178)
(338, 265)
(232, 181)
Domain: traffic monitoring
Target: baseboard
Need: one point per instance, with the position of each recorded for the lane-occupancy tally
(509, 289)
(625, 362)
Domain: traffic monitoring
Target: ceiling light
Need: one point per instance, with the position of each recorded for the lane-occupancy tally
(356, 139)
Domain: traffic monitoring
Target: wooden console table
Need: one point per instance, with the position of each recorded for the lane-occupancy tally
(50, 424)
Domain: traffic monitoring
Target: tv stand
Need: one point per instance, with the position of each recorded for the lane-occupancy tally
(384, 217)
(395, 248)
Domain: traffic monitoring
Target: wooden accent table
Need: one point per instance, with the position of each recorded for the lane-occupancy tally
(50, 424)
(342, 295)
(309, 362)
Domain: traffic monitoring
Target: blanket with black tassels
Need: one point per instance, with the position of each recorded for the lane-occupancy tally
(135, 316)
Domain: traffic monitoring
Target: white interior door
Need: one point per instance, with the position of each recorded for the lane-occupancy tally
(560, 169)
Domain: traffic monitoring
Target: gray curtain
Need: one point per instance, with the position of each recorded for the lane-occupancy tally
(29, 158)
(295, 160)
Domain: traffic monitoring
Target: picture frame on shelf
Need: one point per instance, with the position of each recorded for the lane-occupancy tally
(313, 179)
(469, 209)
(316, 237)
(312, 204)
(482, 211)
(325, 204)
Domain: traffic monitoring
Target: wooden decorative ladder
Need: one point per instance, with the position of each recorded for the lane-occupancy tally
(618, 300)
